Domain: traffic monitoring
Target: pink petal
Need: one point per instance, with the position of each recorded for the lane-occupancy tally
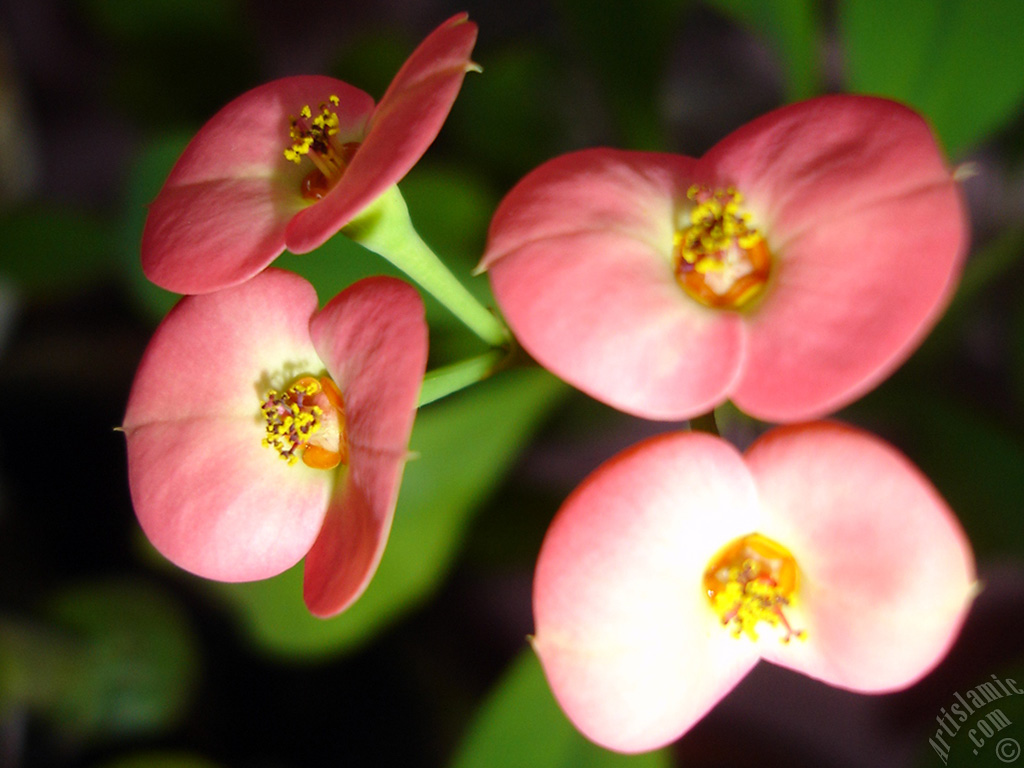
(404, 124)
(222, 213)
(887, 574)
(869, 231)
(580, 259)
(373, 337)
(633, 651)
(208, 495)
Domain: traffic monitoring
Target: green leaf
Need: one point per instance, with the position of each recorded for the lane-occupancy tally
(506, 117)
(628, 47)
(521, 725)
(790, 27)
(959, 62)
(49, 248)
(464, 446)
(135, 666)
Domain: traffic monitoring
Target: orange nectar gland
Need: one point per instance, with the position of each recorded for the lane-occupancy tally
(720, 260)
(313, 137)
(751, 580)
(307, 420)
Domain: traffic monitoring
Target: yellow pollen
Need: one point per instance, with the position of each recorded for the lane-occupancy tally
(312, 135)
(295, 417)
(751, 581)
(721, 260)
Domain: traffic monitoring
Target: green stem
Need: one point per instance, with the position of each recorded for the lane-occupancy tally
(449, 379)
(385, 228)
(705, 423)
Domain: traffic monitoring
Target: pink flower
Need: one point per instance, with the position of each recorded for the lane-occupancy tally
(790, 269)
(291, 162)
(261, 430)
(679, 563)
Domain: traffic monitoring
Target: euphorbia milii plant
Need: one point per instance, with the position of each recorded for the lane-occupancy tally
(680, 563)
(790, 268)
(291, 162)
(262, 430)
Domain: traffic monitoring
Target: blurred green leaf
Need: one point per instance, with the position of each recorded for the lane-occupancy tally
(173, 61)
(506, 118)
(521, 725)
(960, 62)
(627, 44)
(451, 208)
(118, 658)
(464, 446)
(791, 28)
(49, 248)
(147, 177)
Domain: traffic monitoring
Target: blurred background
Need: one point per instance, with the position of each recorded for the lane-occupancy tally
(111, 658)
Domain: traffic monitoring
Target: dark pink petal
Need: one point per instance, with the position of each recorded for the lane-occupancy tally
(222, 213)
(373, 338)
(886, 573)
(208, 495)
(404, 124)
(869, 232)
(580, 259)
(633, 651)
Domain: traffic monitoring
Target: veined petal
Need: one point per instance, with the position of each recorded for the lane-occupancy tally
(634, 194)
(215, 355)
(345, 556)
(208, 495)
(629, 642)
(580, 260)
(217, 503)
(868, 231)
(403, 125)
(222, 213)
(373, 337)
(886, 573)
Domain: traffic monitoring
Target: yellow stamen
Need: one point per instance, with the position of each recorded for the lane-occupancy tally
(307, 420)
(750, 581)
(312, 135)
(720, 259)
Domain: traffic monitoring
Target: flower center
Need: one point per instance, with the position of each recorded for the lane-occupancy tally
(751, 580)
(307, 420)
(313, 137)
(720, 260)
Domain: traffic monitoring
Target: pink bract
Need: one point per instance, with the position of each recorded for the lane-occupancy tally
(233, 202)
(213, 499)
(863, 219)
(630, 643)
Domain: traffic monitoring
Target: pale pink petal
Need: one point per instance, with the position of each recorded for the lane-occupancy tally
(222, 213)
(404, 124)
(373, 337)
(208, 495)
(217, 503)
(580, 260)
(635, 194)
(869, 233)
(887, 575)
(633, 651)
(345, 556)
